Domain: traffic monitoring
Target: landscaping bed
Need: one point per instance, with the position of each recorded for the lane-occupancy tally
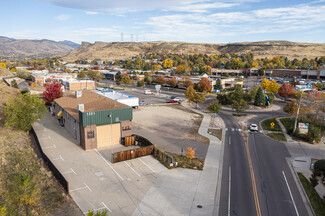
(171, 160)
(216, 132)
(266, 124)
(277, 136)
(316, 201)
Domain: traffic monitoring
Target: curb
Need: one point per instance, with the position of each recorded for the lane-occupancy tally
(301, 189)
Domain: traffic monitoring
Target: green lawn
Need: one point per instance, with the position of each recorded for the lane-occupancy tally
(239, 115)
(266, 124)
(316, 201)
(288, 124)
(277, 136)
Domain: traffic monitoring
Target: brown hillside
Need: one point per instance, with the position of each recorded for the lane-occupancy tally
(124, 50)
(5, 72)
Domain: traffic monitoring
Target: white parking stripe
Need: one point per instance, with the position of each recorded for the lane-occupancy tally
(132, 169)
(86, 187)
(109, 165)
(293, 201)
(106, 207)
(147, 165)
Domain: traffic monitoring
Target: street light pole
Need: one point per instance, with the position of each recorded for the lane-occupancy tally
(296, 119)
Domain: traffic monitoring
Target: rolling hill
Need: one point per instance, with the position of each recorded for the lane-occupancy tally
(10, 47)
(124, 50)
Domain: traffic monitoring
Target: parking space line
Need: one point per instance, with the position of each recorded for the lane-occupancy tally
(70, 171)
(86, 187)
(106, 207)
(98, 209)
(147, 165)
(52, 146)
(109, 165)
(132, 169)
(59, 158)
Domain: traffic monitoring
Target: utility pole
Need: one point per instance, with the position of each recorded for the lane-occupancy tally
(296, 119)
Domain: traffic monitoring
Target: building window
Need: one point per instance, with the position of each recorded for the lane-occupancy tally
(117, 119)
(90, 134)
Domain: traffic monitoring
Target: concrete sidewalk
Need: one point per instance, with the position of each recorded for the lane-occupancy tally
(207, 186)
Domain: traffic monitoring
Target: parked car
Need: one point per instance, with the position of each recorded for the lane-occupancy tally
(173, 101)
(253, 127)
(143, 103)
(176, 98)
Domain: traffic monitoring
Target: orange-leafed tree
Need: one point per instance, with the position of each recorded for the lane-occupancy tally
(286, 90)
(172, 82)
(205, 85)
(190, 152)
(53, 90)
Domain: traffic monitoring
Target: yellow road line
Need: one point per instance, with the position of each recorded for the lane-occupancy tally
(257, 204)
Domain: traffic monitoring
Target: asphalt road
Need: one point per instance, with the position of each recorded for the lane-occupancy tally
(262, 189)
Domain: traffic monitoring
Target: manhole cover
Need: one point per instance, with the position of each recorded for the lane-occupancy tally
(199, 206)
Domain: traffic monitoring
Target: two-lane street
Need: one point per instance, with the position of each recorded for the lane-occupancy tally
(256, 178)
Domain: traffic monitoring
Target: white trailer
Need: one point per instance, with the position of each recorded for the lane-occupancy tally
(121, 97)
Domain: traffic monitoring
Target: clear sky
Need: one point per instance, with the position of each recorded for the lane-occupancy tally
(164, 20)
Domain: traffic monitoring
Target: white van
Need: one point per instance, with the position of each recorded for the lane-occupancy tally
(147, 92)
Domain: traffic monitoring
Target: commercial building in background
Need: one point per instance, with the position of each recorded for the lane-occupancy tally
(77, 85)
(94, 120)
(40, 79)
(307, 74)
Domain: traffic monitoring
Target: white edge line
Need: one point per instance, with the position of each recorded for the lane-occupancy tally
(109, 165)
(87, 186)
(147, 165)
(293, 201)
(132, 169)
(106, 207)
(229, 191)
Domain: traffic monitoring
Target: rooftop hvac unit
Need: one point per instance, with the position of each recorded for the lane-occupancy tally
(78, 94)
(81, 107)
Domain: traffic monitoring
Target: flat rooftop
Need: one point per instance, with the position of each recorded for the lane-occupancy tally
(91, 100)
(114, 95)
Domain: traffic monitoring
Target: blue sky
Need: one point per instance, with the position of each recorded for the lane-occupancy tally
(165, 20)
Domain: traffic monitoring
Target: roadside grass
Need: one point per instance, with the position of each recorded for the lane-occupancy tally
(316, 201)
(167, 158)
(277, 136)
(266, 124)
(216, 132)
(289, 122)
(239, 115)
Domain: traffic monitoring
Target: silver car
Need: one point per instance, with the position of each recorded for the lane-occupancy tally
(253, 127)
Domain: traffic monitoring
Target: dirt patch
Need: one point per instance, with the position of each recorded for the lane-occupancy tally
(169, 121)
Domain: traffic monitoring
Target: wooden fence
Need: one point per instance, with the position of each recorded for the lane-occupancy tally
(145, 149)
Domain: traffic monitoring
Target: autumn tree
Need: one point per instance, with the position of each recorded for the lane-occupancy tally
(291, 108)
(240, 105)
(286, 90)
(118, 78)
(167, 63)
(126, 80)
(53, 90)
(188, 82)
(21, 112)
(190, 94)
(199, 97)
(214, 106)
(140, 83)
(190, 153)
(2, 64)
(95, 75)
(319, 86)
(182, 69)
(82, 75)
(172, 82)
(161, 80)
(270, 86)
(205, 85)
(156, 67)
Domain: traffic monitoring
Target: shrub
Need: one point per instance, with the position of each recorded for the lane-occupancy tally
(314, 134)
(320, 165)
(223, 99)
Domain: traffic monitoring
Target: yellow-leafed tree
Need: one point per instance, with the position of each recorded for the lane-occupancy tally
(167, 63)
(190, 152)
(270, 86)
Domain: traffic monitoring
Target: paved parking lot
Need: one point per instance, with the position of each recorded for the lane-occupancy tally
(140, 186)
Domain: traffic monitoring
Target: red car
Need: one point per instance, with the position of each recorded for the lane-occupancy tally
(173, 101)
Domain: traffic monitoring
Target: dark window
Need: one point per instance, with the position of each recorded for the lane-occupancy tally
(90, 134)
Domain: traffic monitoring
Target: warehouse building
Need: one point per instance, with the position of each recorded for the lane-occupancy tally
(78, 85)
(94, 120)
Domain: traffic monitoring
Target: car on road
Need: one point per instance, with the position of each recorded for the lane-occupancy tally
(176, 98)
(253, 127)
(173, 101)
(147, 92)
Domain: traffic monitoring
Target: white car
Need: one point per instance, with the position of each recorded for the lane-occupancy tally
(253, 127)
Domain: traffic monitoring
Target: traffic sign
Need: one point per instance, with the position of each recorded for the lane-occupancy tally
(245, 123)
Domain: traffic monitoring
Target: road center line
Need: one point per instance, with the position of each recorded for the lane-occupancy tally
(109, 165)
(132, 169)
(293, 201)
(229, 183)
(147, 165)
(229, 140)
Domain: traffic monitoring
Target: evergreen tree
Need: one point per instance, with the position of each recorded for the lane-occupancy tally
(259, 98)
(218, 85)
